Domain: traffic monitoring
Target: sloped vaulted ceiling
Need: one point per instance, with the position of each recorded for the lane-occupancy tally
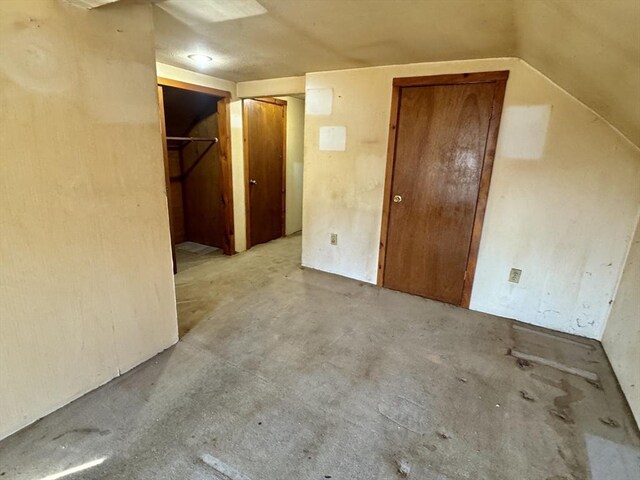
(589, 47)
(294, 37)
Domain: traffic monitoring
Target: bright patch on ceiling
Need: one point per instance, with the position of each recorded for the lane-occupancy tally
(200, 59)
(211, 11)
(89, 4)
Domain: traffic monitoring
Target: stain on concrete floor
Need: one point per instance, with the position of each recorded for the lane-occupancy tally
(289, 373)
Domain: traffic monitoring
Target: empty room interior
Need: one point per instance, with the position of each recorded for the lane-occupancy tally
(320, 239)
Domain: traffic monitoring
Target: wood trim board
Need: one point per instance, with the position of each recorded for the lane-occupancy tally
(226, 178)
(193, 87)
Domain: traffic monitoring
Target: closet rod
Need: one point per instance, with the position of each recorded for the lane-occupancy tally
(194, 139)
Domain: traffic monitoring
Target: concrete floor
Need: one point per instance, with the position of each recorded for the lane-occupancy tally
(286, 373)
(190, 254)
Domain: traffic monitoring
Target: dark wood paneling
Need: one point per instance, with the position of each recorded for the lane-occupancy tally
(264, 132)
(226, 180)
(193, 103)
(184, 109)
(203, 209)
(176, 212)
(441, 147)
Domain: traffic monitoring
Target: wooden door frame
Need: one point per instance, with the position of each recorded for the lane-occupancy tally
(245, 140)
(224, 142)
(168, 82)
(500, 79)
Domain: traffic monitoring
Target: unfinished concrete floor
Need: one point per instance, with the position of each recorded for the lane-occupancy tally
(288, 373)
(190, 254)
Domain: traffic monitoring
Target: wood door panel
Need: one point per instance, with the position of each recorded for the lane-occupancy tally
(439, 153)
(265, 123)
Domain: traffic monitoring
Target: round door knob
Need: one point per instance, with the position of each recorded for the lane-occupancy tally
(252, 181)
(397, 199)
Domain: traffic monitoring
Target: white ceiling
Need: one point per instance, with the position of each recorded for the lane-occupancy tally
(294, 37)
(589, 47)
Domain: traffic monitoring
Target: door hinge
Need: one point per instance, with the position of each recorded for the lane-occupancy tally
(465, 275)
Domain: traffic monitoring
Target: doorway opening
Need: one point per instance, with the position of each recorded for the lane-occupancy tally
(196, 143)
(442, 141)
(273, 165)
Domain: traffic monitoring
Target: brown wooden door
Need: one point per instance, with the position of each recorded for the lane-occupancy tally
(264, 123)
(441, 137)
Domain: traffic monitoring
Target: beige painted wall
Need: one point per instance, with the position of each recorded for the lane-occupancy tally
(565, 218)
(237, 173)
(271, 87)
(85, 280)
(295, 164)
(621, 338)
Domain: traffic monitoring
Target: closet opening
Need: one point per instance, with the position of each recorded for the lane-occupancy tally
(197, 160)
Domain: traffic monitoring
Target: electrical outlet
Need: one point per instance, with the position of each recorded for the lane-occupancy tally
(514, 276)
(334, 239)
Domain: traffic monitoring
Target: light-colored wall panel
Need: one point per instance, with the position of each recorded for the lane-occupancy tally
(621, 338)
(237, 173)
(564, 218)
(85, 281)
(295, 164)
(271, 87)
